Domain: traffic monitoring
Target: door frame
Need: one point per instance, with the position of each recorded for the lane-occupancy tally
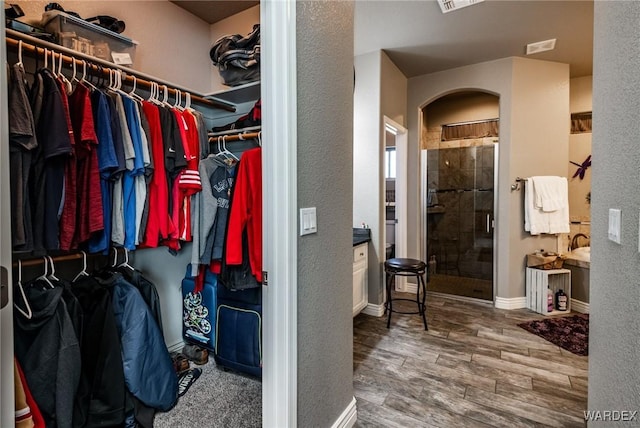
(494, 223)
(7, 406)
(279, 175)
(401, 144)
(278, 92)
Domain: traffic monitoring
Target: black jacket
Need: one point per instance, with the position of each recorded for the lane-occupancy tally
(48, 351)
(103, 400)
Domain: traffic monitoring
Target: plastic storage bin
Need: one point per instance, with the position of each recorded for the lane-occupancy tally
(87, 38)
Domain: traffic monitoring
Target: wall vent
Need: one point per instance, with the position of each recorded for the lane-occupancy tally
(546, 45)
(451, 5)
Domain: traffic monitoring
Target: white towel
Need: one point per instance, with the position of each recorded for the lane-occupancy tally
(546, 206)
(551, 193)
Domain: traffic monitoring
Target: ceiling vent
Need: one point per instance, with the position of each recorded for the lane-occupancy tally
(451, 5)
(547, 45)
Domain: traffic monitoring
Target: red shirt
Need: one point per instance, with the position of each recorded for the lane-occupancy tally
(89, 213)
(159, 224)
(246, 212)
(68, 216)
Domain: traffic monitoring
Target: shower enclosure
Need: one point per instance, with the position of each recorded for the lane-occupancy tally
(458, 214)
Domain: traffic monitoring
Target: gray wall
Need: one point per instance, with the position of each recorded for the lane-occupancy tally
(325, 127)
(614, 348)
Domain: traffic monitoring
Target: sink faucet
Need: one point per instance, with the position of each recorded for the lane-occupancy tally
(575, 242)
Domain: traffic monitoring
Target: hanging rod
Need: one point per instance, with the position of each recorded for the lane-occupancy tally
(236, 137)
(235, 131)
(37, 46)
(40, 260)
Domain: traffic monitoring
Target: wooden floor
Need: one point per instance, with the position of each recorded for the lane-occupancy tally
(473, 368)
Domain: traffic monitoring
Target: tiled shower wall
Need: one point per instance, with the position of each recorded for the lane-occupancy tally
(460, 175)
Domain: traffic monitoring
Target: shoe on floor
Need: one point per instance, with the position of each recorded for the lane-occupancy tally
(196, 354)
(180, 362)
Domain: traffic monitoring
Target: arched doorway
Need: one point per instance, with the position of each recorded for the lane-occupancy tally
(459, 139)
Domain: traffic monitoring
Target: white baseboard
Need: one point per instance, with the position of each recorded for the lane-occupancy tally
(579, 306)
(374, 310)
(176, 347)
(510, 303)
(348, 418)
(409, 288)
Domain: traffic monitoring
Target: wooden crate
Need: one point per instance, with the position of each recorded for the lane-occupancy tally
(537, 282)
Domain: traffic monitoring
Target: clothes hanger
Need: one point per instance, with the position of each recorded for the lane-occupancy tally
(177, 105)
(125, 263)
(260, 138)
(153, 93)
(19, 63)
(63, 77)
(52, 275)
(111, 78)
(219, 153)
(74, 77)
(230, 154)
(46, 57)
(165, 97)
(29, 313)
(115, 257)
(45, 276)
(187, 102)
(133, 94)
(117, 77)
(83, 272)
(83, 80)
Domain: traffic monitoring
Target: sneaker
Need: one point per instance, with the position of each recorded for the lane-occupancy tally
(196, 354)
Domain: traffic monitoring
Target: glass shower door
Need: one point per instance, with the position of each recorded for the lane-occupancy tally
(460, 219)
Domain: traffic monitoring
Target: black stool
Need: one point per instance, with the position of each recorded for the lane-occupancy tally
(406, 267)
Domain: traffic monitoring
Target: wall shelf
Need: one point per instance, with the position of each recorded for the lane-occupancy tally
(236, 94)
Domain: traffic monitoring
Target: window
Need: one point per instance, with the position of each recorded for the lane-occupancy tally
(473, 129)
(390, 163)
(581, 122)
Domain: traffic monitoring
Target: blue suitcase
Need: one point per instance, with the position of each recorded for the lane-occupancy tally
(199, 309)
(238, 344)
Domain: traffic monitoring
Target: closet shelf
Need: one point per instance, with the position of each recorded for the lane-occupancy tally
(37, 46)
(237, 94)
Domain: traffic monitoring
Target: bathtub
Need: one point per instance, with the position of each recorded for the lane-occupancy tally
(578, 261)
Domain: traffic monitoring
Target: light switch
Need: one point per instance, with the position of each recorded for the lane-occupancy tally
(308, 221)
(615, 225)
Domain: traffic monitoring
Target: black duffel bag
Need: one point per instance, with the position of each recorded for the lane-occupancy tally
(238, 57)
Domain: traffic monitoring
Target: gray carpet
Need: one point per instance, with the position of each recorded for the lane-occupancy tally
(216, 399)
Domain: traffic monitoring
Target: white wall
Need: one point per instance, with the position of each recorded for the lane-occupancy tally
(368, 170)
(579, 148)
(173, 44)
(393, 91)
(380, 90)
(534, 106)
